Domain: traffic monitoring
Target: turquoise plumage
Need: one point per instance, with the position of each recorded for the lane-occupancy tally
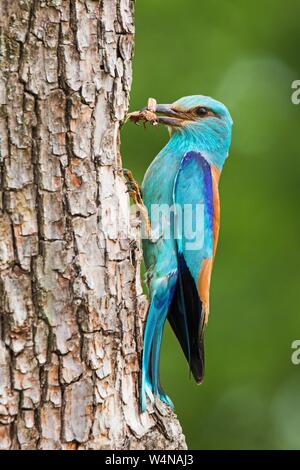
(180, 192)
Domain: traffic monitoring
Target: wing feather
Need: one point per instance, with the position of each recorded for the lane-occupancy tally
(194, 216)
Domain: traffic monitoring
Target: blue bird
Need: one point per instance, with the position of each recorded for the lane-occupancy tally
(180, 193)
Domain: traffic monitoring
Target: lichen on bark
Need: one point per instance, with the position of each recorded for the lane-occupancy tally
(71, 304)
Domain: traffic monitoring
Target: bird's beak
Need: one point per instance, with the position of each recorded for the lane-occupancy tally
(168, 116)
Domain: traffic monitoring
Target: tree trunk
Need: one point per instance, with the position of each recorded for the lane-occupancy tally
(71, 303)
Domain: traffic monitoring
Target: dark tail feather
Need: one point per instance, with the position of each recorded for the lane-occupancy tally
(183, 313)
(186, 317)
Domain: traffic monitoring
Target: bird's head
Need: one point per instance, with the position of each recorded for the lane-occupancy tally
(201, 122)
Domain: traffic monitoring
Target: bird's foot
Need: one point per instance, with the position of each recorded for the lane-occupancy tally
(133, 186)
(135, 192)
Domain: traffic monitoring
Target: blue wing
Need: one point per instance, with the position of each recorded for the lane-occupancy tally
(193, 201)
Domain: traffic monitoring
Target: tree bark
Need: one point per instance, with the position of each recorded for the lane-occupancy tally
(71, 304)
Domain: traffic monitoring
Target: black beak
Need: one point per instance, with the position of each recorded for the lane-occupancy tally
(168, 116)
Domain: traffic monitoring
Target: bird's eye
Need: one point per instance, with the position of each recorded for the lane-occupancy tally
(201, 111)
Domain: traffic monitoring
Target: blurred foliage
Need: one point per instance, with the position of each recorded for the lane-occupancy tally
(246, 55)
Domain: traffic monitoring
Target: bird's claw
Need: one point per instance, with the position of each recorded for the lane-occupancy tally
(134, 191)
(132, 186)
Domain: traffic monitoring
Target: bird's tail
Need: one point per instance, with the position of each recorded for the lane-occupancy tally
(162, 290)
(187, 317)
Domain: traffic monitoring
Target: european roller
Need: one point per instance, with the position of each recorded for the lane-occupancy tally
(181, 196)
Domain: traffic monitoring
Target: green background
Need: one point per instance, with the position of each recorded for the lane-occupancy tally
(245, 54)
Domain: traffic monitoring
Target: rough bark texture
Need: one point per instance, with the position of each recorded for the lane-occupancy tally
(71, 304)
